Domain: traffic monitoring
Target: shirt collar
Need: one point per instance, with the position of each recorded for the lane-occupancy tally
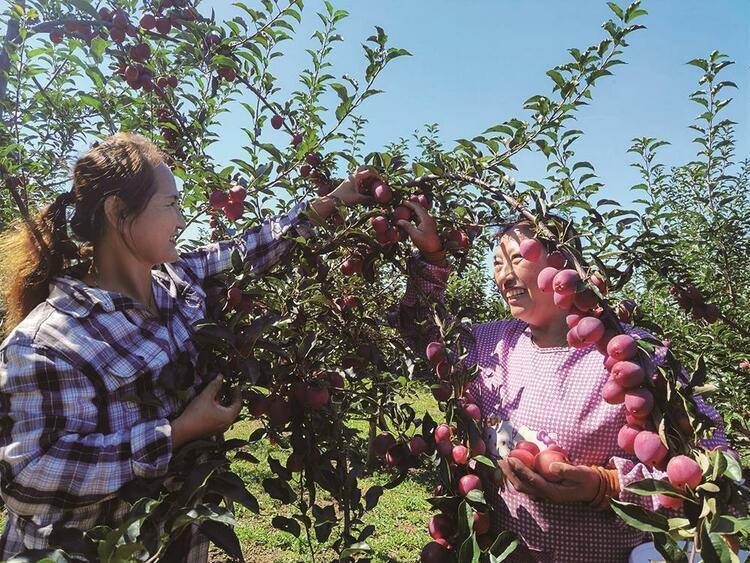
(72, 296)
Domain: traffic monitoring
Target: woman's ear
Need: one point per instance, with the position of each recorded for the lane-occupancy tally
(114, 211)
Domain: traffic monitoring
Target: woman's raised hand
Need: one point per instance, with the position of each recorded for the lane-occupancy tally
(352, 190)
(424, 234)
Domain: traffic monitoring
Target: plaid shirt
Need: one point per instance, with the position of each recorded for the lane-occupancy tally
(71, 434)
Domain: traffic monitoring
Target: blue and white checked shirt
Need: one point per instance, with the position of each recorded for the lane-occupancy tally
(70, 434)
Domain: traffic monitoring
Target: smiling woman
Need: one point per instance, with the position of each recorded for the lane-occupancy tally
(93, 327)
(537, 392)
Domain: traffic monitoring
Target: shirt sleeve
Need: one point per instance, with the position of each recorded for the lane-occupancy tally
(425, 285)
(51, 457)
(262, 246)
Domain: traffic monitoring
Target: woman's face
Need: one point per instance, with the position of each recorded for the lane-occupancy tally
(153, 234)
(516, 280)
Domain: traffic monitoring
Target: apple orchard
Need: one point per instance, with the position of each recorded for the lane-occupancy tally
(313, 344)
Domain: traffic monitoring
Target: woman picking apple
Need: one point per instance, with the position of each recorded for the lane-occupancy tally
(538, 391)
(88, 332)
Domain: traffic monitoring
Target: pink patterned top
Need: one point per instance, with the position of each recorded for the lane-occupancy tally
(548, 394)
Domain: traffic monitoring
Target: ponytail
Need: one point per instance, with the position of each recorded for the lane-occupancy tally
(35, 251)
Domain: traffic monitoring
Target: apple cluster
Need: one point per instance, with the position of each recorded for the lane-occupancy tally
(532, 457)
(231, 203)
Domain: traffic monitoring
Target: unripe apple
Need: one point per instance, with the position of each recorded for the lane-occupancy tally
(148, 22)
(524, 456)
(234, 210)
(622, 347)
(443, 433)
(469, 483)
(531, 249)
(417, 446)
(565, 282)
(435, 352)
(556, 260)
(612, 392)
(481, 522)
(382, 443)
(277, 121)
(669, 502)
(648, 447)
(683, 470)
(626, 438)
(460, 455)
(627, 374)
(640, 402)
(545, 278)
(543, 461)
(433, 552)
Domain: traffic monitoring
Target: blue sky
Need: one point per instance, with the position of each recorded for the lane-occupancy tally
(474, 63)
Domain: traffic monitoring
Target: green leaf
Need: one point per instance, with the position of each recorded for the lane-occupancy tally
(503, 546)
(640, 518)
(557, 77)
(616, 9)
(647, 487)
(85, 6)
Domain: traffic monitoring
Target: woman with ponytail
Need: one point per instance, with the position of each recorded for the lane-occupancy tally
(92, 325)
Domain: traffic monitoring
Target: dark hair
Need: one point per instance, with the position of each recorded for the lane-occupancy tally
(36, 251)
(562, 228)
